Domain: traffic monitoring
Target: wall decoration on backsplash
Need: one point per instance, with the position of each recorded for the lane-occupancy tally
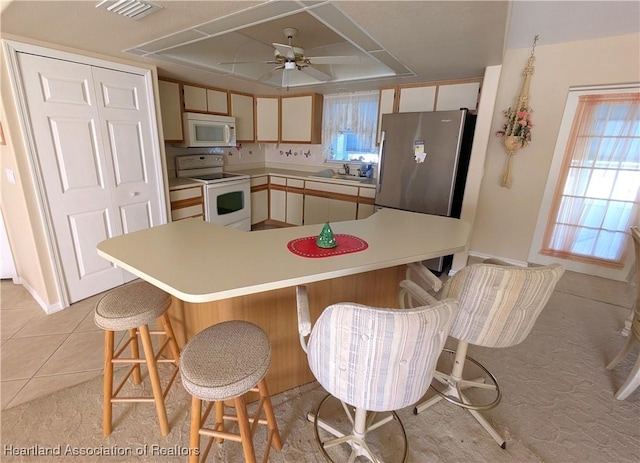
(306, 153)
(288, 153)
(516, 130)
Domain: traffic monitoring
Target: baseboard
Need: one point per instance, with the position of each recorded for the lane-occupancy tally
(48, 309)
(481, 257)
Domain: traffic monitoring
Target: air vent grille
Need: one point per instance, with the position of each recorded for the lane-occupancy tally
(133, 9)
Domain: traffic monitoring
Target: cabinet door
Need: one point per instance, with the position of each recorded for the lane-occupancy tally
(414, 99)
(259, 206)
(301, 119)
(387, 99)
(365, 210)
(340, 210)
(267, 119)
(217, 101)
(295, 201)
(171, 110)
(195, 98)
(456, 96)
(316, 209)
(242, 110)
(278, 198)
(259, 199)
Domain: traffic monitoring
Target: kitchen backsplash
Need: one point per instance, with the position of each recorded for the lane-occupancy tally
(252, 155)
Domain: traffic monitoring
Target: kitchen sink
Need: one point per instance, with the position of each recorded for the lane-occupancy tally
(328, 173)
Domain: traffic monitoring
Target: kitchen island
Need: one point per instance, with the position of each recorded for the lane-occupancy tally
(216, 273)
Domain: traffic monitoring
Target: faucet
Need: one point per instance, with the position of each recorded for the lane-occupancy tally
(346, 168)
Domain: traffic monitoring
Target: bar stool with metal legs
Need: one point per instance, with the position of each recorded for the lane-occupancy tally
(133, 307)
(225, 362)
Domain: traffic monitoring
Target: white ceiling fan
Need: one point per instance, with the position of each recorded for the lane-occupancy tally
(290, 57)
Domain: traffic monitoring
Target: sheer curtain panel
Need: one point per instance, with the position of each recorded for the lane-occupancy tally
(596, 199)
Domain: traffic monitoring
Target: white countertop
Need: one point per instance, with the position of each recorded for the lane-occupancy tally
(197, 261)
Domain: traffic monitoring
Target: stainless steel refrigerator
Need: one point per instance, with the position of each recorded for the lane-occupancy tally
(424, 159)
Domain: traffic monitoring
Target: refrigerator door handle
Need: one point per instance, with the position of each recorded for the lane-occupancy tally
(380, 155)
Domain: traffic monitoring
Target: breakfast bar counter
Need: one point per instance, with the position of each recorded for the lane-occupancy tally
(216, 273)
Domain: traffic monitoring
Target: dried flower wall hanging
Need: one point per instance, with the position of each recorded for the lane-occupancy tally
(516, 130)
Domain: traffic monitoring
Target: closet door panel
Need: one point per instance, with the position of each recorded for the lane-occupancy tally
(66, 130)
(130, 152)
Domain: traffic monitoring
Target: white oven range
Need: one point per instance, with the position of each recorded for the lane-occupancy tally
(227, 195)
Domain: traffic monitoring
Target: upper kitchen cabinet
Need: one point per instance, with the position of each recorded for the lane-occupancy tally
(458, 95)
(439, 96)
(171, 108)
(385, 106)
(205, 100)
(267, 110)
(301, 119)
(417, 98)
(242, 110)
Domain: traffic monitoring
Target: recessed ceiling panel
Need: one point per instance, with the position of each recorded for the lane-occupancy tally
(242, 45)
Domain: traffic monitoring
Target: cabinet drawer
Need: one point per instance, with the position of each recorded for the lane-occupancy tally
(257, 181)
(186, 212)
(277, 180)
(332, 188)
(367, 192)
(296, 183)
(185, 193)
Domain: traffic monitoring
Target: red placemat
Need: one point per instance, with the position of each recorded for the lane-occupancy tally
(306, 247)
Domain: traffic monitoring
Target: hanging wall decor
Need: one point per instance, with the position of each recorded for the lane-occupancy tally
(516, 131)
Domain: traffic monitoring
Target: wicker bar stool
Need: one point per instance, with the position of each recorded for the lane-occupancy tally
(133, 307)
(225, 362)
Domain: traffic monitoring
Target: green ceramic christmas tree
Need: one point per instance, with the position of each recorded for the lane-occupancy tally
(326, 238)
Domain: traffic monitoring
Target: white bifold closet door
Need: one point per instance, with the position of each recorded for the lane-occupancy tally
(97, 165)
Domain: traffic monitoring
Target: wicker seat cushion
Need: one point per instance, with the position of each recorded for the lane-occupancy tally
(131, 306)
(225, 360)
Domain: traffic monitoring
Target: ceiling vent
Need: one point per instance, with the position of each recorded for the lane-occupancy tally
(132, 9)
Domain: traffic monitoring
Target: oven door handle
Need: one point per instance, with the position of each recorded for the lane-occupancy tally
(229, 183)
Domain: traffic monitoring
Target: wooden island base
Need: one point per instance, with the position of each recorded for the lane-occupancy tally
(275, 312)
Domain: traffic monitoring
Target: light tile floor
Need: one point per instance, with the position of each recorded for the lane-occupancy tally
(41, 353)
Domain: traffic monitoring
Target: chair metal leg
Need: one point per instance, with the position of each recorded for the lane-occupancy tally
(455, 385)
(362, 422)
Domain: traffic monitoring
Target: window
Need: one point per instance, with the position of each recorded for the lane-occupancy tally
(596, 200)
(349, 127)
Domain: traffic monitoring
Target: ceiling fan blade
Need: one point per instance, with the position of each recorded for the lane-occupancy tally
(333, 59)
(269, 74)
(315, 73)
(285, 50)
(249, 62)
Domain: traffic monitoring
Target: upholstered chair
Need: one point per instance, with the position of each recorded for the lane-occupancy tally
(497, 307)
(374, 360)
(633, 380)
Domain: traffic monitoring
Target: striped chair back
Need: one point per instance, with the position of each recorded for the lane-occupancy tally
(375, 358)
(498, 305)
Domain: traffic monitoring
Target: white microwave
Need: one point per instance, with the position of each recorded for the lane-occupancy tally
(208, 130)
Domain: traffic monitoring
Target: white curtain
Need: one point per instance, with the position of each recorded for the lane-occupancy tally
(350, 113)
(597, 199)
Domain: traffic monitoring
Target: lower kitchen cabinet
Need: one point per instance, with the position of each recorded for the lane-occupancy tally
(295, 201)
(329, 202)
(259, 199)
(186, 203)
(278, 199)
(366, 200)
